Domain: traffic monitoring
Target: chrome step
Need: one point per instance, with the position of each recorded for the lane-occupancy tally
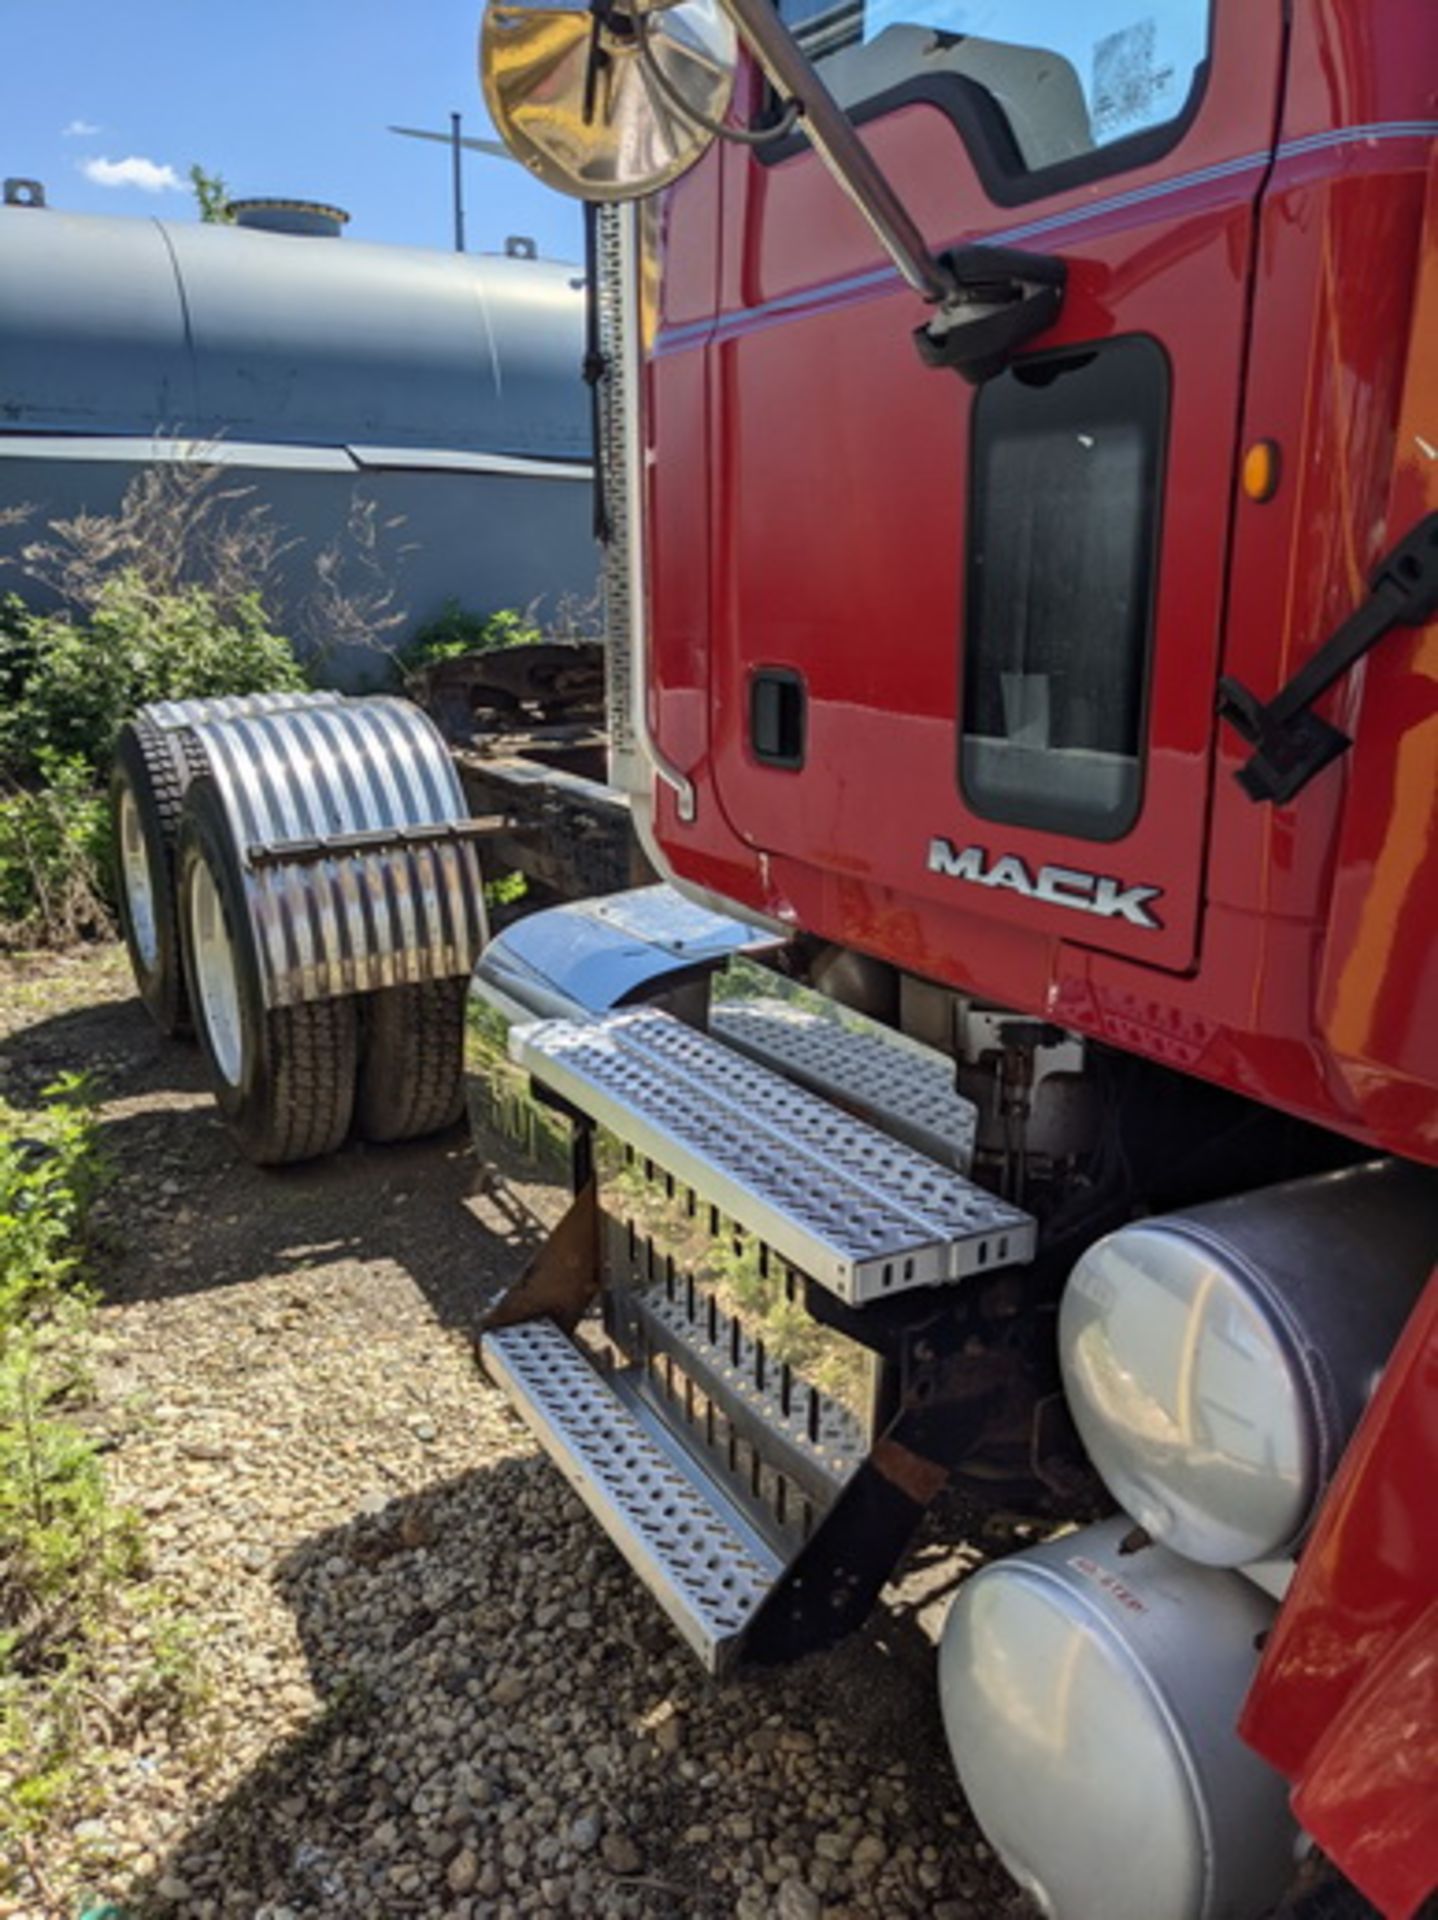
(864, 1215)
(905, 1088)
(707, 1569)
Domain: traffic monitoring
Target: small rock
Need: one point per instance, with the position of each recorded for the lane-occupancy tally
(620, 1854)
(668, 1730)
(463, 1873)
(797, 1902)
(509, 1689)
(584, 1833)
(869, 1853)
(172, 1888)
(416, 1529)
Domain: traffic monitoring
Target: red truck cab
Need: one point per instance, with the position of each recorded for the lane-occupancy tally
(1190, 475)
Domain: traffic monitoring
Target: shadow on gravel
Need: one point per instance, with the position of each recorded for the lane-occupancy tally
(114, 1040)
(187, 1213)
(509, 1715)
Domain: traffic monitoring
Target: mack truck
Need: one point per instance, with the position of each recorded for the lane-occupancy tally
(1017, 478)
(1017, 462)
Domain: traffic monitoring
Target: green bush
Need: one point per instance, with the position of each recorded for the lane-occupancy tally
(51, 1172)
(457, 631)
(93, 1655)
(66, 686)
(55, 857)
(57, 1536)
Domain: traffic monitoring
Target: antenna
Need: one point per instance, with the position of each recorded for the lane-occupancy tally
(456, 140)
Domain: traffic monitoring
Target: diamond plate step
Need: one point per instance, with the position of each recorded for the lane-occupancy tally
(863, 1214)
(708, 1572)
(905, 1088)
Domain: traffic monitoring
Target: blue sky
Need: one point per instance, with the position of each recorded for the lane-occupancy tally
(279, 96)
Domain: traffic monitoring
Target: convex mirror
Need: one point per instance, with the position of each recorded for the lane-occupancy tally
(607, 103)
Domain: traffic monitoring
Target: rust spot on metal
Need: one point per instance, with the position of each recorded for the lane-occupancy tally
(562, 1279)
(922, 1480)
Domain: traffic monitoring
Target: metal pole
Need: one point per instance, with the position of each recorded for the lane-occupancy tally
(456, 147)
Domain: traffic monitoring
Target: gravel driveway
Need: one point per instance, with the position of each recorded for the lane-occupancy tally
(433, 1689)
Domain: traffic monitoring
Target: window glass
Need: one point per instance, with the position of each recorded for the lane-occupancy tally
(1063, 528)
(1069, 77)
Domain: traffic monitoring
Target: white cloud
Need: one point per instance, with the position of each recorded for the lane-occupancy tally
(79, 130)
(135, 171)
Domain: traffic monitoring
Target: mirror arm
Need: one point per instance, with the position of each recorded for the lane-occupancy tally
(990, 301)
(833, 137)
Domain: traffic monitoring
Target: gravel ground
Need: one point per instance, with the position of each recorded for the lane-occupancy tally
(433, 1689)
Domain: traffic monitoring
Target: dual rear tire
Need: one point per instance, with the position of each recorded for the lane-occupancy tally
(283, 1077)
(147, 796)
(292, 1081)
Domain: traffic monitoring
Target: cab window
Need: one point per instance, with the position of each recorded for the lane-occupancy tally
(1067, 474)
(1077, 86)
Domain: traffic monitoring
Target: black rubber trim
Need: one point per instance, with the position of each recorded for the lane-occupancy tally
(985, 132)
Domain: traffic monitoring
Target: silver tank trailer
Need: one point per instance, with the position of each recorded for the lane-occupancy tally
(439, 391)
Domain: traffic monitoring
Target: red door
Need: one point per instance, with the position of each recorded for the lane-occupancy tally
(977, 629)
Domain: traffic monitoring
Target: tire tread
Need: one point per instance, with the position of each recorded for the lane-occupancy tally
(164, 992)
(411, 1080)
(313, 1051)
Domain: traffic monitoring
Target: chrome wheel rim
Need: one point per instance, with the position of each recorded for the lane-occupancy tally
(217, 983)
(138, 885)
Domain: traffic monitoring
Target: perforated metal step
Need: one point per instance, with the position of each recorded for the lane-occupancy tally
(707, 1571)
(906, 1089)
(863, 1214)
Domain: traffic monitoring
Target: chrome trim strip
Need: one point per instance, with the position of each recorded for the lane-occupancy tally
(276, 456)
(507, 466)
(635, 755)
(884, 280)
(148, 450)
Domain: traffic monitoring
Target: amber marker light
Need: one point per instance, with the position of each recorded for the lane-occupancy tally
(1260, 470)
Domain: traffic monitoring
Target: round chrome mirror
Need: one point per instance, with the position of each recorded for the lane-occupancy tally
(607, 103)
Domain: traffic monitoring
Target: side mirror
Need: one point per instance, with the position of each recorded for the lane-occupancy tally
(607, 102)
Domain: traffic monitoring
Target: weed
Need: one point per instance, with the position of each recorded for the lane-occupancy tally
(55, 857)
(505, 890)
(70, 1563)
(458, 630)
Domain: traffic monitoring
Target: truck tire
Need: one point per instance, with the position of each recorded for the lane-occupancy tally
(147, 791)
(411, 1077)
(283, 1077)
